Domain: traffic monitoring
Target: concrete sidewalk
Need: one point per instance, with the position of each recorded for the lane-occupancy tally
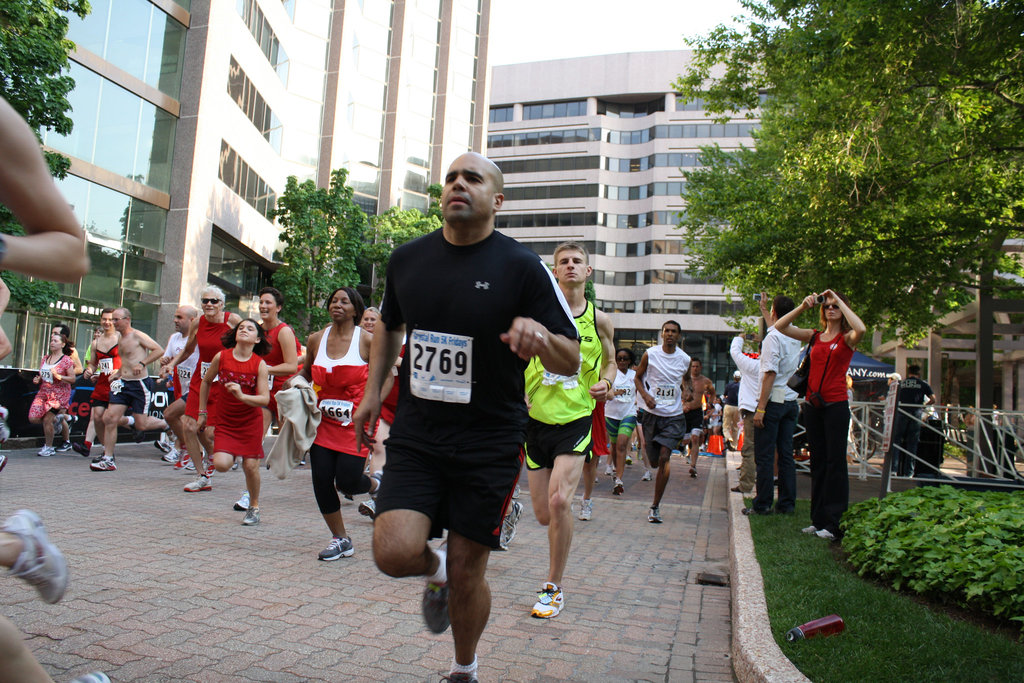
(168, 586)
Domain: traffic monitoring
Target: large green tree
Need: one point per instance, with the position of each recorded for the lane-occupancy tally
(395, 227)
(323, 230)
(890, 160)
(33, 62)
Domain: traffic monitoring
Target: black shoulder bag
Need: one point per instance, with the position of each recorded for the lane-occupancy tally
(798, 380)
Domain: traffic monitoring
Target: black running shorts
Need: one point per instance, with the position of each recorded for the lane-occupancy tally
(134, 393)
(545, 442)
(464, 490)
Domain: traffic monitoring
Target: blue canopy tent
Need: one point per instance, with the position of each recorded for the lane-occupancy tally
(865, 369)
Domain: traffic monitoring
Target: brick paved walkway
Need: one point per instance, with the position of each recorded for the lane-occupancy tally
(168, 586)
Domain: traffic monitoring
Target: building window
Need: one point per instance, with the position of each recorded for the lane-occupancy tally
(547, 137)
(575, 163)
(249, 100)
(258, 25)
(554, 110)
(630, 110)
(531, 192)
(501, 114)
(245, 182)
(545, 220)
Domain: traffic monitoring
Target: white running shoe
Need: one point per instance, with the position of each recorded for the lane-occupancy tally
(609, 471)
(200, 484)
(586, 510)
(46, 451)
(647, 476)
(40, 562)
(243, 503)
(508, 525)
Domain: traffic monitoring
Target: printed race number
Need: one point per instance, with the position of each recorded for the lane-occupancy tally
(106, 366)
(665, 394)
(337, 410)
(442, 366)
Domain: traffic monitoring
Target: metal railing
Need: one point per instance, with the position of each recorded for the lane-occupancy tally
(974, 443)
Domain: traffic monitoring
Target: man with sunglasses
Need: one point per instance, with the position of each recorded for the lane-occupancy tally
(775, 417)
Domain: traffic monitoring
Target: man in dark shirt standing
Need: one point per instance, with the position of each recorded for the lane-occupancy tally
(914, 394)
(476, 307)
(731, 412)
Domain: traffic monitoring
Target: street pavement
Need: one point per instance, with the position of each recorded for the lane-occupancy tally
(168, 586)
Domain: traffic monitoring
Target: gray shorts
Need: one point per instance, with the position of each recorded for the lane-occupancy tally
(662, 431)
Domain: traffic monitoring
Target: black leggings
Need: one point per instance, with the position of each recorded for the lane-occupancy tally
(334, 471)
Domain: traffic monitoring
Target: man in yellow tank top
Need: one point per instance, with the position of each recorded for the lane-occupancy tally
(558, 434)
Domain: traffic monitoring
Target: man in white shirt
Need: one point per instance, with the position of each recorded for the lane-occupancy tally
(775, 417)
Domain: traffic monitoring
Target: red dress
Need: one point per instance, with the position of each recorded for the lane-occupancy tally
(208, 342)
(276, 357)
(239, 426)
(106, 363)
(339, 384)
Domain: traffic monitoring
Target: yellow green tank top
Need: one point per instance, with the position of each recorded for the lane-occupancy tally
(558, 399)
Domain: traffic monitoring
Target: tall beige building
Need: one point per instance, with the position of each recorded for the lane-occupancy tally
(191, 114)
(593, 149)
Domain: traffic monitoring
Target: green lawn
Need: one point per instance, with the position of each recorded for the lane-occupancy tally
(888, 636)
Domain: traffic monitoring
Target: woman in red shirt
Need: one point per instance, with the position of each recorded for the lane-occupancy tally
(206, 332)
(827, 407)
(242, 374)
(336, 364)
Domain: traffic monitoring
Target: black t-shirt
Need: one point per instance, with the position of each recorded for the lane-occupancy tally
(472, 292)
(913, 390)
(732, 394)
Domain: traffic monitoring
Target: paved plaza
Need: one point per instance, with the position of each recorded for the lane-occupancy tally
(168, 586)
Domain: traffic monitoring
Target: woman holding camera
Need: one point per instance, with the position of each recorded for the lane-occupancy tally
(827, 406)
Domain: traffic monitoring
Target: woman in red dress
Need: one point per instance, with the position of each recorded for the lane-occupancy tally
(238, 420)
(206, 332)
(336, 364)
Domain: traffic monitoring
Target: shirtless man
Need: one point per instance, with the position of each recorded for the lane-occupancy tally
(132, 387)
(695, 387)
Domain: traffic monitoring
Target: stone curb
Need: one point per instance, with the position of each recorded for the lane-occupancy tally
(756, 657)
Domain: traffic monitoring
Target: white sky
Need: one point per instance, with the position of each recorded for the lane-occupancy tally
(535, 30)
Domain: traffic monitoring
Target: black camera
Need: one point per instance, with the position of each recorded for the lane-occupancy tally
(757, 297)
(820, 299)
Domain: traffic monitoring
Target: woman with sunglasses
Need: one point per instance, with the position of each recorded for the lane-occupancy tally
(205, 332)
(827, 407)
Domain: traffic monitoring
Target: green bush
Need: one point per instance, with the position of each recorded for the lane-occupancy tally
(965, 544)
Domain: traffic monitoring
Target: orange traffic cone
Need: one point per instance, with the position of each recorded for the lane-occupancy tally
(715, 445)
(739, 442)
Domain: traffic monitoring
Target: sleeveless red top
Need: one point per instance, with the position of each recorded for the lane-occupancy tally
(239, 426)
(339, 384)
(208, 342)
(101, 392)
(276, 356)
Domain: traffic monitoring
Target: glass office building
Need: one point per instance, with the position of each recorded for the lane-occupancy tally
(189, 116)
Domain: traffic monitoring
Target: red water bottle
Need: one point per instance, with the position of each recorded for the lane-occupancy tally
(826, 626)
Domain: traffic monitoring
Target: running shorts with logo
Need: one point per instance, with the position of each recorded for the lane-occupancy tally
(464, 489)
(545, 442)
(134, 393)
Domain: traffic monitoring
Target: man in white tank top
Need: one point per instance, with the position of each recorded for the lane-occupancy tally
(659, 379)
